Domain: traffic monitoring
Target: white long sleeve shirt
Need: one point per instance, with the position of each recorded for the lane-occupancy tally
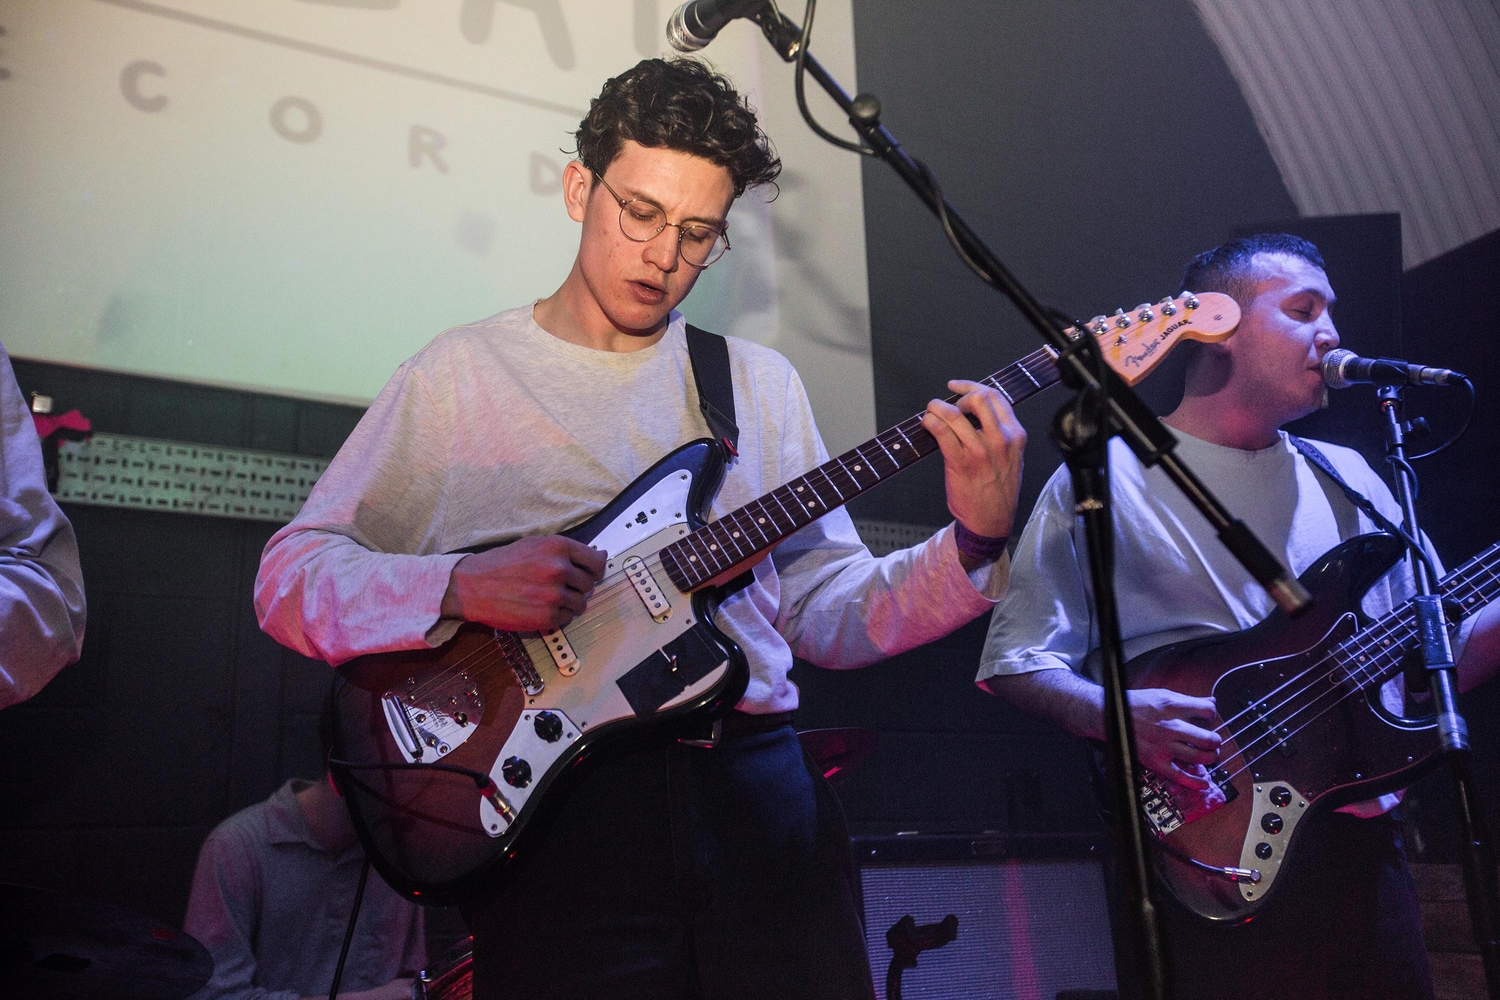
(499, 430)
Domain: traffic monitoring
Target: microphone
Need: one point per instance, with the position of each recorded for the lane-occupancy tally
(1341, 369)
(696, 23)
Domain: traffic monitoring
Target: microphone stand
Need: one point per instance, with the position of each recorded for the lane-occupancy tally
(1480, 885)
(1105, 406)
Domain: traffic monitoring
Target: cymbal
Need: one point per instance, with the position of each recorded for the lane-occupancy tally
(60, 947)
(837, 750)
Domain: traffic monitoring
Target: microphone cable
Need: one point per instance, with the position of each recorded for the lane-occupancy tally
(1468, 419)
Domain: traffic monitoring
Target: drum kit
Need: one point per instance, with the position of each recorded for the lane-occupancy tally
(61, 947)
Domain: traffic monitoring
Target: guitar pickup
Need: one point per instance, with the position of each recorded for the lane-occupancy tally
(647, 589)
(561, 652)
(1280, 736)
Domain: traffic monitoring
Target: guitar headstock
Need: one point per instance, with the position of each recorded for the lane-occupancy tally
(1135, 342)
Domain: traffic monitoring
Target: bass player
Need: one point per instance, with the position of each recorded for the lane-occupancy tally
(674, 871)
(1347, 924)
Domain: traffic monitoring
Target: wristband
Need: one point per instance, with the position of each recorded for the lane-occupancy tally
(981, 547)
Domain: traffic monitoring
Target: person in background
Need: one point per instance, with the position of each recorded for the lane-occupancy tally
(42, 605)
(271, 899)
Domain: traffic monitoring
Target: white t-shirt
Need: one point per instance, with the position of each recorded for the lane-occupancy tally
(1174, 579)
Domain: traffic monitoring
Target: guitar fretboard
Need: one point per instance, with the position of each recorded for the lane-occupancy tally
(760, 524)
(1374, 655)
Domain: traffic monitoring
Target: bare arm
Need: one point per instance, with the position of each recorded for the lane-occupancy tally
(1481, 656)
(1170, 734)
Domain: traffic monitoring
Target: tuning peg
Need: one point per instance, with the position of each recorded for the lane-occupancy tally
(1168, 308)
(1190, 300)
(1121, 320)
(1146, 315)
(1098, 324)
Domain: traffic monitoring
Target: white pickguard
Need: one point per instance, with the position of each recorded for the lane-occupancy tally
(615, 633)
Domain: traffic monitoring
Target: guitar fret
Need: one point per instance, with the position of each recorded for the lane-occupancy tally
(760, 520)
(792, 524)
(861, 464)
(762, 523)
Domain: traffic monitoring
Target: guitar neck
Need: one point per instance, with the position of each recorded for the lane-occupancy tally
(1375, 654)
(761, 524)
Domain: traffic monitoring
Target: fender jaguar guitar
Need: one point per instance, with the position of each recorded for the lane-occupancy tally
(1305, 728)
(450, 754)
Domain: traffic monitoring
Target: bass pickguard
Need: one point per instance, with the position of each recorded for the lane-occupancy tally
(1305, 732)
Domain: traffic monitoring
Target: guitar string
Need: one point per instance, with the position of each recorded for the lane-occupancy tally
(1401, 621)
(1459, 578)
(1361, 676)
(1009, 381)
(1376, 640)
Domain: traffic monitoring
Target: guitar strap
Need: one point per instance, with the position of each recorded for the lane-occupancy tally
(708, 353)
(1320, 461)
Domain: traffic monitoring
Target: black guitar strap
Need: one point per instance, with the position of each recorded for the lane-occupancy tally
(1320, 461)
(709, 355)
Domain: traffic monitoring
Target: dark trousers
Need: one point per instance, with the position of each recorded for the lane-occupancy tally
(1345, 925)
(683, 872)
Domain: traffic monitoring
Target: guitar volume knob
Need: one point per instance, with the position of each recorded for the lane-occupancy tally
(516, 772)
(548, 726)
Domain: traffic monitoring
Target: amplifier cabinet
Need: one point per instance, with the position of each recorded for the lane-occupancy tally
(1032, 917)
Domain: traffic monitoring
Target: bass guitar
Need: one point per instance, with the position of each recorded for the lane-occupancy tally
(447, 756)
(1305, 728)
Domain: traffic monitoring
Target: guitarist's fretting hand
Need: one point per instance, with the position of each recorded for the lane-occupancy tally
(530, 585)
(981, 465)
(1174, 734)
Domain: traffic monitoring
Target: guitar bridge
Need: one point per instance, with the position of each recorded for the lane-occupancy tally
(520, 663)
(1158, 805)
(432, 717)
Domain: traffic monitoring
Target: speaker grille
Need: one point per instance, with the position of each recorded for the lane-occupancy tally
(1026, 929)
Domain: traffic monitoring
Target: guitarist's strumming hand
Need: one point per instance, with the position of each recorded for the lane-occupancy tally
(1174, 735)
(981, 465)
(530, 585)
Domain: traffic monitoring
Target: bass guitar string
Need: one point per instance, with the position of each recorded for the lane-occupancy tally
(1376, 643)
(1401, 621)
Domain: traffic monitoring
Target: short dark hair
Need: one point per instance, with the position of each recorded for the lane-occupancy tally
(679, 104)
(1230, 268)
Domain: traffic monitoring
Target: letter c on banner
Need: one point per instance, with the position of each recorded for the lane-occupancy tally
(312, 123)
(130, 85)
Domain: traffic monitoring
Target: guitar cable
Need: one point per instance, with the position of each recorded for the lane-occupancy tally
(359, 898)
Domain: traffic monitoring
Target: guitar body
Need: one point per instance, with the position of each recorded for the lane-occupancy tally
(1312, 736)
(531, 710)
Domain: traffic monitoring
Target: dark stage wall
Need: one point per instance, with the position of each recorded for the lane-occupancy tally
(1095, 146)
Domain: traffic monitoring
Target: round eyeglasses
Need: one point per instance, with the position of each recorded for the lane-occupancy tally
(642, 222)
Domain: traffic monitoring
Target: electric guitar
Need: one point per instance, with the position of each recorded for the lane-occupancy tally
(446, 757)
(1304, 725)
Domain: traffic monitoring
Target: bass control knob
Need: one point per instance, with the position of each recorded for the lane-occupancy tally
(548, 726)
(516, 772)
(1271, 823)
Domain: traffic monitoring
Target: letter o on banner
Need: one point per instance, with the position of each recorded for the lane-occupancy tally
(130, 85)
(311, 124)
